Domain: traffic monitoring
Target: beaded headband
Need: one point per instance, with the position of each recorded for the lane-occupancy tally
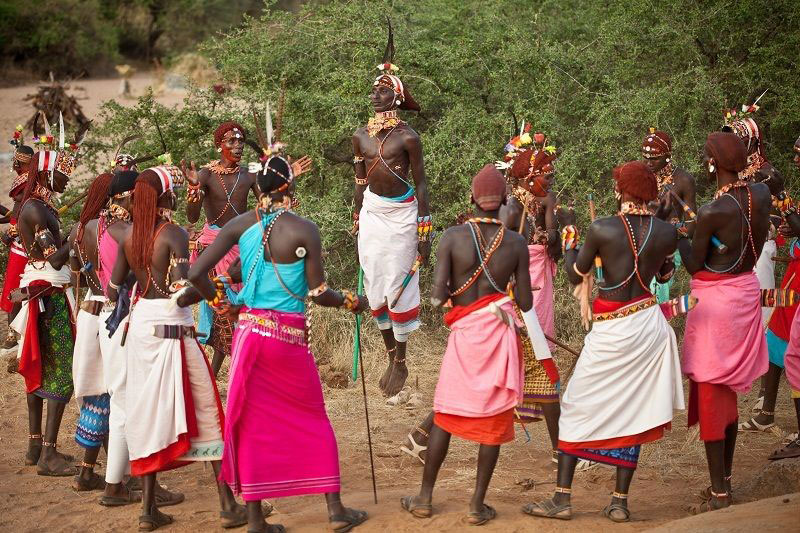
(655, 146)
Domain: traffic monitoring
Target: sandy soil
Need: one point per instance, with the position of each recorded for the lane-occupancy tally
(671, 471)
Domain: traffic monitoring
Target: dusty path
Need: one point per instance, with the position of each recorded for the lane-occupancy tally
(671, 471)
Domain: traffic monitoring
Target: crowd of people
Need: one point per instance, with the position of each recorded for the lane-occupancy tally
(104, 313)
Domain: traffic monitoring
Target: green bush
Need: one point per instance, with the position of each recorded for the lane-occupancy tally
(594, 75)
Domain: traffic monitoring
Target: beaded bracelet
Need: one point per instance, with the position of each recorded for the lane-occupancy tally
(570, 237)
(361, 181)
(785, 205)
(424, 228)
(313, 293)
(350, 301)
(194, 193)
(220, 303)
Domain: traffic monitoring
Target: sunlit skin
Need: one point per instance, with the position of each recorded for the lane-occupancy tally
(402, 152)
(721, 217)
(683, 185)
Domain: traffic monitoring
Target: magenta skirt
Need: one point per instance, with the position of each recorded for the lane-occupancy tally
(278, 438)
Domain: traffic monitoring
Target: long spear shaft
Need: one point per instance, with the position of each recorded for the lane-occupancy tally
(364, 392)
(357, 334)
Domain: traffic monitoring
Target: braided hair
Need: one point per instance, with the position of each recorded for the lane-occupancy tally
(96, 200)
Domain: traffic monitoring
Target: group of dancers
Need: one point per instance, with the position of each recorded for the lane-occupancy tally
(130, 352)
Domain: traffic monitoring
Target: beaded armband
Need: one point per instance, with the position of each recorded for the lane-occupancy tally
(570, 238)
(683, 230)
(358, 159)
(361, 181)
(349, 300)
(194, 193)
(313, 293)
(663, 278)
(181, 284)
(44, 238)
(424, 228)
(219, 303)
(785, 205)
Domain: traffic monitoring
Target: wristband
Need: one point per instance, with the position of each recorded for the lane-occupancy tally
(424, 228)
(570, 237)
(350, 301)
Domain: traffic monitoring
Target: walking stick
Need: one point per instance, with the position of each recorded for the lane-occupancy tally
(598, 263)
(364, 390)
(64, 208)
(357, 334)
(721, 248)
(406, 280)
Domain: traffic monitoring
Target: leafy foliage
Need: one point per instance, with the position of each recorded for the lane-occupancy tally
(594, 75)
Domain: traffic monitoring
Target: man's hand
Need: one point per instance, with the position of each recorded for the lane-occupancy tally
(424, 249)
(301, 166)
(566, 217)
(190, 174)
(664, 207)
(772, 179)
(363, 303)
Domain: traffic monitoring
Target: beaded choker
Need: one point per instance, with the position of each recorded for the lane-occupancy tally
(383, 120)
(631, 208)
(217, 168)
(44, 195)
(485, 220)
(728, 187)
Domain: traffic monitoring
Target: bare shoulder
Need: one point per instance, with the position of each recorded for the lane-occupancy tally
(516, 240)
(203, 174)
(408, 133)
(604, 227)
(174, 231)
(33, 212)
(761, 193)
(683, 178)
(302, 223)
(664, 228)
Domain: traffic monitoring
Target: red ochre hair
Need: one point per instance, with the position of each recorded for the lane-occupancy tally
(636, 179)
(224, 128)
(96, 200)
(145, 209)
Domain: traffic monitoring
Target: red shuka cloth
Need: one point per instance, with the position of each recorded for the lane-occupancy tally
(714, 407)
(490, 430)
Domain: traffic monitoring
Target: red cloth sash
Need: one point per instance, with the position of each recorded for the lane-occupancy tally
(460, 311)
(601, 305)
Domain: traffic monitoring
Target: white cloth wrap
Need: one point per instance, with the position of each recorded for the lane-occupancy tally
(115, 373)
(87, 362)
(387, 249)
(627, 379)
(765, 272)
(155, 405)
(541, 348)
(39, 270)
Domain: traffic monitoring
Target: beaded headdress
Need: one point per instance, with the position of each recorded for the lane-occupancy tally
(388, 77)
(171, 177)
(59, 156)
(742, 123)
(656, 144)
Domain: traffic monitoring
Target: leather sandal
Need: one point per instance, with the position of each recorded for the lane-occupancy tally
(419, 510)
(549, 509)
(350, 519)
(479, 518)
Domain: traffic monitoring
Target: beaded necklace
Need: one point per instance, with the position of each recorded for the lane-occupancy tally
(725, 188)
(724, 192)
(217, 168)
(383, 120)
(632, 241)
(664, 177)
(632, 208)
(754, 163)
(228, 196)
(487, 254)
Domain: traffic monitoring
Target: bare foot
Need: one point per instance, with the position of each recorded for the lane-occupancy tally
(397, 380)
(385, 377)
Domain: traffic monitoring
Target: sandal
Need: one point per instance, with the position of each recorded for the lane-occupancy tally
(118, 501)
(165, 498)
(154, 520)
(235, 518)
(759, 404)
(64, 469)
(350, 519)
(754, 427)
(419, 510)
(706, 493)
(417, 448)
(479, 518)
(787, 452)
(709, 504)
(95, 482)
(549, 509)
(269, 528)
(616, 506)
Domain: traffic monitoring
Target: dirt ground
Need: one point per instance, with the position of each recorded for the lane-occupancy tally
(670, 473)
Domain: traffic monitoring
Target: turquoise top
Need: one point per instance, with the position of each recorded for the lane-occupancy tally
(261, 288)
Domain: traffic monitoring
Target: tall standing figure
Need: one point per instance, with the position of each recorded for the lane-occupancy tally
(16, 252)
(391, 217)
(627, 381)
(45, 320)
(173, 413)
(278, 439)
(480, 382)
(724, 351)
(221, 189)
(672, 180)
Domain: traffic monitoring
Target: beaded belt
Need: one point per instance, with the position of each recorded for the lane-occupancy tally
(92, 307)
(174, 332)
(267, 326)
(625, 311)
